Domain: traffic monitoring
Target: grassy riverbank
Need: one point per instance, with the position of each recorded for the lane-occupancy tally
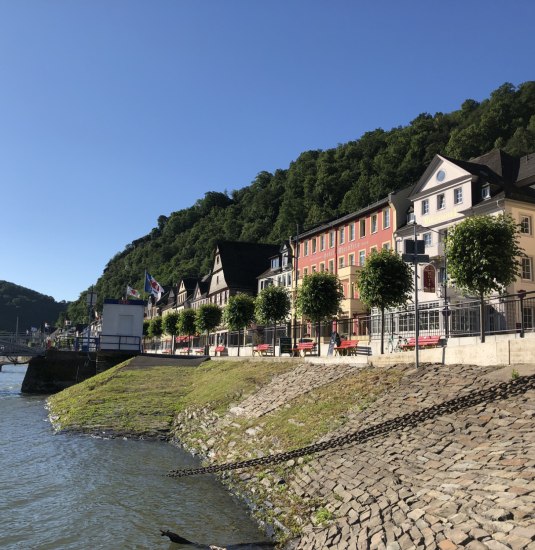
(144, 402)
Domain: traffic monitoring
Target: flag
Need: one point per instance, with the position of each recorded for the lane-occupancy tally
(152, 286)
(132, 292)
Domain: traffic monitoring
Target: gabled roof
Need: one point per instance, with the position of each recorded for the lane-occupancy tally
(189, 284)
(242, 262)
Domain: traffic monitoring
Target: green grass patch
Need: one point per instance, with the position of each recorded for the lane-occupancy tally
(145, 401)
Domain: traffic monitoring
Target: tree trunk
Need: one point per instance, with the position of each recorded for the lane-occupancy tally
(482, 318)
(318, 330)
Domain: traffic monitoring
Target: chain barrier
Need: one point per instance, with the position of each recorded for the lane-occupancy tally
(494, 393)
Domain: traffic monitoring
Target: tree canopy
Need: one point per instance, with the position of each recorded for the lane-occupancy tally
(272, 305)
(385, 281)
(484, 256)
(319, 296)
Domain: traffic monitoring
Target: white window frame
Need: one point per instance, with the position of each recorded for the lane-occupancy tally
(527, 269)
(386, 218)
(485, 192)
(428, 239)
(458, 195)
(374, 223)
(523, 218)
(352, 231)
(441, 201)
(425, 207)
(342, 235)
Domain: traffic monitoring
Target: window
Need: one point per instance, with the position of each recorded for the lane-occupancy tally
(322, 267)
(441, 201)
(485, 192)
(351, 231)
(313, 269)
(274, 263)
(525, 225)
(428, 240)
(411, 218)
(306, 248)
(374, 223)
(425, 206)
(458, 195)
(386, 218)
(386, 246)
(331, 239)
(373, 249)
(314, 245)
(331, 266)
(342, 235)
(322, 242)
(362, 228)
(340, 262)
(362, 257)
(351, 259)
(305, 271)
(527, 269)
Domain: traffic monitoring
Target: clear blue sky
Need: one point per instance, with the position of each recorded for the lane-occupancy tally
(115, 112)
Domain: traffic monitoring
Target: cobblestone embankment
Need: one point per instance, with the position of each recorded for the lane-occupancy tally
(462, 480)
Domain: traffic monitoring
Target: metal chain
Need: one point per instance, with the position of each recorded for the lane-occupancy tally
(494, 393)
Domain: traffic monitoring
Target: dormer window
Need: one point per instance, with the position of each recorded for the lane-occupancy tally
(485, 192)
(274, 263)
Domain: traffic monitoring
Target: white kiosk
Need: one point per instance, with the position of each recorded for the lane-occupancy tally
(122, 325)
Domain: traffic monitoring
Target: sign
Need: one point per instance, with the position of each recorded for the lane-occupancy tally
(285, 345)
(91, 298)
(420, 258)
(409, 246)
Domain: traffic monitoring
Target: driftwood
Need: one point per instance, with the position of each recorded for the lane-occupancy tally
(173, 537)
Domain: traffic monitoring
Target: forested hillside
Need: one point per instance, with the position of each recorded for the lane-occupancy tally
(32, 308)
(320, 185)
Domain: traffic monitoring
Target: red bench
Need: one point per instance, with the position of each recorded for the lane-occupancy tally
(423, 342)
(262, 349)
(346, 347)
(220, 350)
(303, 348)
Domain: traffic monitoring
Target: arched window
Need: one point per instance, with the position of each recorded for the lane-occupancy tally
(429, 278)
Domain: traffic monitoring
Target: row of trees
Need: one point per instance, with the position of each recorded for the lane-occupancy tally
(318, 299)
(483, 257)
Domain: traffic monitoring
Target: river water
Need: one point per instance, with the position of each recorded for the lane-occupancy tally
(61, 491)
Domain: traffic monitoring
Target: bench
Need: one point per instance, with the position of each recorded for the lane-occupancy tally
(423, 342)
(220, 350)
(346, 347)
(303, 348)
(198, 351)
(262, 349)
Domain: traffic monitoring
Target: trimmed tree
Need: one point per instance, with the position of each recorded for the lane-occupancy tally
(186, 324)
(272, 306)
(483, 257)
(319, 298)
(170, 327)
(239, 313)
(207, 318)
(385, 281)
(155, 328)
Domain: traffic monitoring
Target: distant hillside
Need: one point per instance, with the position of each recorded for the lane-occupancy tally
(32, 308)
(317, 186)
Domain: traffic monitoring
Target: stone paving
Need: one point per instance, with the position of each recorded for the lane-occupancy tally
(463, 480)
(282, 389)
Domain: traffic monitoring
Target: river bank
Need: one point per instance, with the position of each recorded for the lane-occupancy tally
(464, 478)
